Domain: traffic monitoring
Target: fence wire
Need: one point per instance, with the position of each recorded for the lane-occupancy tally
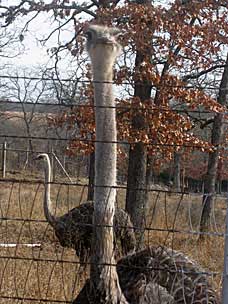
(67, 104)
(37, 267)
(129, 83)
(87, 140)
(50, 273)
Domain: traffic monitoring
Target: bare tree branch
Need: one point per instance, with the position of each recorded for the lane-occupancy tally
(201, 73)
(11, 12)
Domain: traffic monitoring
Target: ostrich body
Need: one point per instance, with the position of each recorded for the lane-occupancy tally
(150, 276)
(159, 275)
(74, 229)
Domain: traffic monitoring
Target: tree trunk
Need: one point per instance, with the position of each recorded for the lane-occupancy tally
(149, 173)
(216, 140)
(137, 182)
(136, 193)
(177, 172)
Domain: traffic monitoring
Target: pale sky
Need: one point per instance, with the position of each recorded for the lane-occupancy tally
(34, 53)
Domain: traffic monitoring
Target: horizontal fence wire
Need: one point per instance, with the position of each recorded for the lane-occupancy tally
(14, 180)
(15, 205)
(53, 273)
(112, 265)
(129, 107)
(144, 229)
(33, 299)
(78, 80)
(87, 140)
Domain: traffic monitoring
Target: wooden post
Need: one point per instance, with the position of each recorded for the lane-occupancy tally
(4, 146)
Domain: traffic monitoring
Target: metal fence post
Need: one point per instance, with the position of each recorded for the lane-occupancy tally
(225, 267)
(4, 146)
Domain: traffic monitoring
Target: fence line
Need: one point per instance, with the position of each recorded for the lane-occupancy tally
(144, 229)
(111, 264)
(133, 83)
(87, 140)
(18, 256)
(6, 148)
(129, 107)
(34, 299)
(14, 180)
(19, 226)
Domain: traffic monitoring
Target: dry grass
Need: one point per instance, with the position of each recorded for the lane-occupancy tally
(52, 272)
(35, 277)
(182, 214)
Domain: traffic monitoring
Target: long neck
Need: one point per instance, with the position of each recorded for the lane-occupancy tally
(102, 273)
(105, 147)
(106, 136)
(48, 208)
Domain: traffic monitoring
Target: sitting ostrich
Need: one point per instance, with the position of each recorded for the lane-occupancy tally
(159, 275)
(74, 229)
(154, 275)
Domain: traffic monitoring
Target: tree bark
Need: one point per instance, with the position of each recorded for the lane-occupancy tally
(136, 198)
(136, 193)
(216, 140)
(176, 172)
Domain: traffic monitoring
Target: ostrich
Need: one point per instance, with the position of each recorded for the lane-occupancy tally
(155, 275)
(74, 229)
(159, 275)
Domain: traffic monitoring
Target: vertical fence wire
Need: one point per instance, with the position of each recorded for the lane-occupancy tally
(45, 272)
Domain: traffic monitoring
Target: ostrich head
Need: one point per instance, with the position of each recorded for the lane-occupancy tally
(42, 156)
(102, 46)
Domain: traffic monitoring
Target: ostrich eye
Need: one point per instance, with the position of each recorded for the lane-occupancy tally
(89, 35)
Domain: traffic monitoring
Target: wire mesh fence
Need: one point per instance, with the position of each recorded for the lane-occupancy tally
(36, 267)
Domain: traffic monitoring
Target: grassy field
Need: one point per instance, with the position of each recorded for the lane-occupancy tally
(52, 272)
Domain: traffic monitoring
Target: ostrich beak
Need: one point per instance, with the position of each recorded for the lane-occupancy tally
(37, 157)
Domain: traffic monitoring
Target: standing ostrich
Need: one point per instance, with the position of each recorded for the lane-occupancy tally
(153, 275)
(103, 50)
(74, 229)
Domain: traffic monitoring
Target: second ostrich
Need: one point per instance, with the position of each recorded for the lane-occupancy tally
(74, 229)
